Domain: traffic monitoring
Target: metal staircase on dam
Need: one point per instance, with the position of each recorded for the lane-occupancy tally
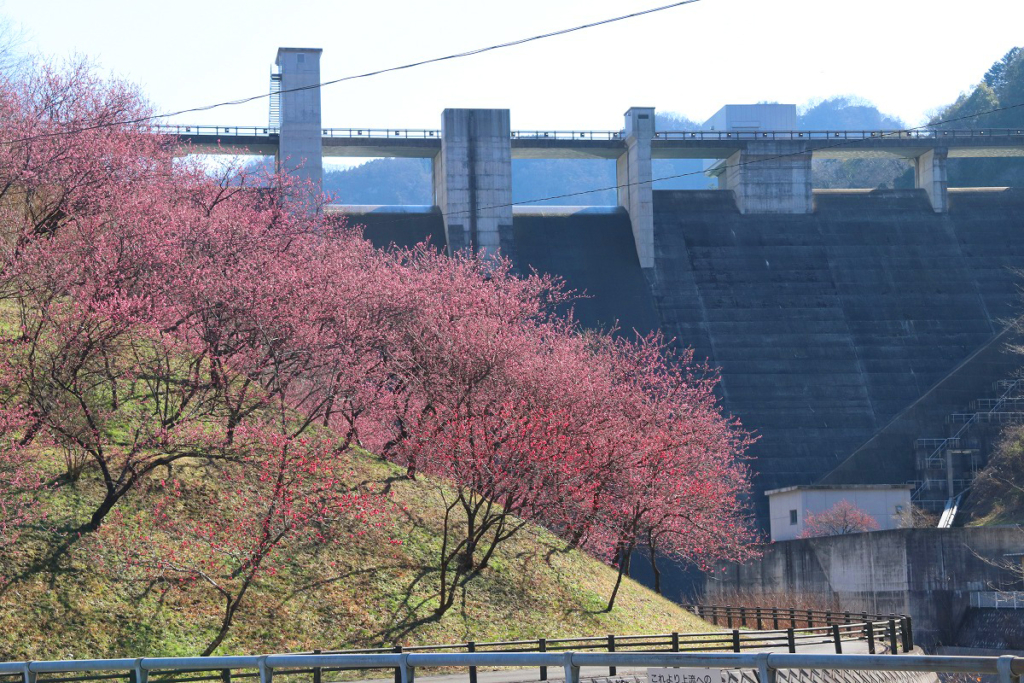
(947, 466)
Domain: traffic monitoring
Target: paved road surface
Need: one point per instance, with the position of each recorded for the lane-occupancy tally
(600, 674)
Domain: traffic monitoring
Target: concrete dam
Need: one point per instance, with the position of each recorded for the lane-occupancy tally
(825, 325)
(847, 324)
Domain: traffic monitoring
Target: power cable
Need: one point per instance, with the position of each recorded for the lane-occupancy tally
(368, 74)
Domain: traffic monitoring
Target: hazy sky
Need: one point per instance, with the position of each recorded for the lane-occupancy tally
(906, 56)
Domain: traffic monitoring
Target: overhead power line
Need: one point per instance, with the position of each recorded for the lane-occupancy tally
(368, 74)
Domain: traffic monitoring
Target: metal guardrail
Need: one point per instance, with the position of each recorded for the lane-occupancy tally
(1010, 388)
(891, 635)
(1008, 668)
(760, 617)
(998, 599)
(268, 131)
(938, 134)
(233, 131)
(699, 135)
(988, 417)
(568, 135)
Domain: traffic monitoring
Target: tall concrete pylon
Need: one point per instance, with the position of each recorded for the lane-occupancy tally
(473, 179)
(633, 175)
(300, 150)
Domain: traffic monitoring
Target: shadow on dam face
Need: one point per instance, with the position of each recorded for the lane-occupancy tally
(590, 248)
(825, 325)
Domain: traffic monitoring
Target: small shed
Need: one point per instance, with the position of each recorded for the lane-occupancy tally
(788, 507)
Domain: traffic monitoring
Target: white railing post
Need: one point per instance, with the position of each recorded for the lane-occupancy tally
(1005, 668)
(765, 672)
(407, 673)
(266, 673)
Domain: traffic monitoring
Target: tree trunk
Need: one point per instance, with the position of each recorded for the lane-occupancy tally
(225, 625)
(652, 546)
(624, 556)
(657, 573)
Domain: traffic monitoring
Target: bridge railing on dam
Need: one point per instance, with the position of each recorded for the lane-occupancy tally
(767, 667)
(191, 130)
(926, 134)
(568, 135)
(697, 135)
(247, 131)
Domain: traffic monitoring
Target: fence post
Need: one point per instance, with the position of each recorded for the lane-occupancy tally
(743, 617)
(870, 628)
(828, 618)
(611, 648)
(318, 675)
(714, 615)
(697, 611)
(766, 674)
(792, 617)
(775, 618)
(471, 647)
(791, 639)
(892, 637)
(225, 675)
(735, 640)
(757, 615)
(810, 619)
(675, 641)
(542, 646)
(728, 615)
(903, 634)
(910, 634)
(846, 617)
(398, 671)
(837, 638)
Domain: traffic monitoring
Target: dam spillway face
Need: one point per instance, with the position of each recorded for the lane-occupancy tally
(826, 325)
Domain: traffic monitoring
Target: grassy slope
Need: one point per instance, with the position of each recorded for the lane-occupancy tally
(363, 593)
(997, 496)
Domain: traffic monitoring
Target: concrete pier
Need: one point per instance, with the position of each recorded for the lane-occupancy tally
(300, 150)
(771, 177)
(633, 175)
(930, 176)
(473, 179)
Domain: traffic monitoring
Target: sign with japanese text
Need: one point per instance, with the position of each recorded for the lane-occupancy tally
(684, 675)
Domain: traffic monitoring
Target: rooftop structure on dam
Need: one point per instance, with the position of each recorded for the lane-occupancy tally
(848, 325)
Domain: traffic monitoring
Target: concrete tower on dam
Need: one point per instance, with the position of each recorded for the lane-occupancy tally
(834, 316)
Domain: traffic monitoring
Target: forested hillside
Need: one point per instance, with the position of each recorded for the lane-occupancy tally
(1002, 90)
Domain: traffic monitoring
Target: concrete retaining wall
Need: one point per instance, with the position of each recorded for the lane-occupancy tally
(925, 573)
